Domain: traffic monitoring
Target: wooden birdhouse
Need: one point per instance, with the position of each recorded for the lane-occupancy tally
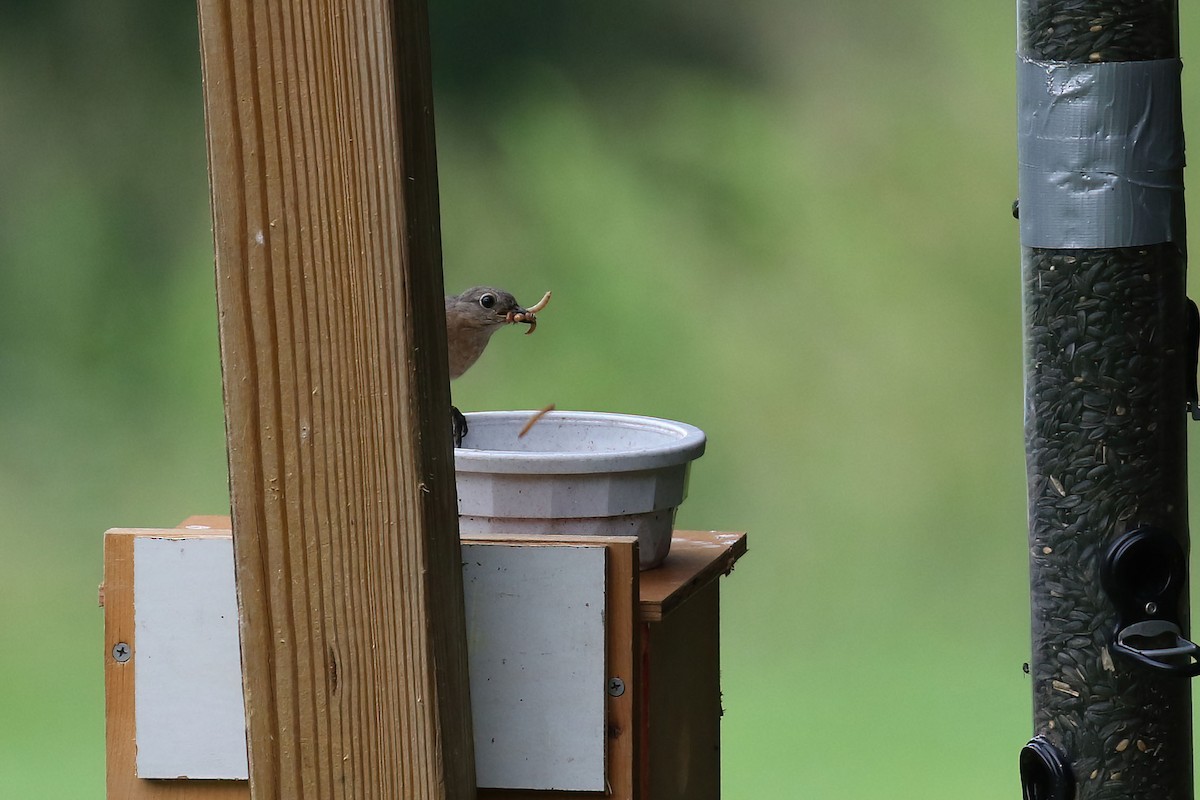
(588, 677)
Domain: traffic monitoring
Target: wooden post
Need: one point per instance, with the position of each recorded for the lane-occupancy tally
(328, 261)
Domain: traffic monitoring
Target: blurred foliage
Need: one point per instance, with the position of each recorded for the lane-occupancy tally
(785, 222)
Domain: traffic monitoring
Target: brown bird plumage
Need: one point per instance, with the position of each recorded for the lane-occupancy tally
(471, 319)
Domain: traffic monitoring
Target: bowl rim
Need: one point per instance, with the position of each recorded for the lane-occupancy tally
(687, 444)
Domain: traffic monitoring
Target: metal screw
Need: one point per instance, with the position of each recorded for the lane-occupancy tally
(616, 687)
(121, 652)
(1151, 608)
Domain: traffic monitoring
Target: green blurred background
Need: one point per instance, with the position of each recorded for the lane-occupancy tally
(785, 222)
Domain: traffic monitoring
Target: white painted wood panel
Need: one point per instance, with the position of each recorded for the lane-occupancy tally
(187, 665)
(535, 645)
(536, 651)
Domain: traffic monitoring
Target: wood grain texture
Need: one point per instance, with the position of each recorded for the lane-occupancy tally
(624, 732)
(681, 689)
(695, 560)
(328, 262)
(623, 644)
(677, 715)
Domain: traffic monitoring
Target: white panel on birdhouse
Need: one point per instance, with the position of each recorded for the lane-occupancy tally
(535, 639)
(188, 693)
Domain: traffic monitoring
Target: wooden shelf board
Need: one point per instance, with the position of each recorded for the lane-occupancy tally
(696, 558)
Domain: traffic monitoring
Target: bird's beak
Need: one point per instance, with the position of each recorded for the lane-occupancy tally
(529, 315)
(523, 315)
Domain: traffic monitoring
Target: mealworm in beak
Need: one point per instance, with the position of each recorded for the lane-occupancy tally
(540, 304)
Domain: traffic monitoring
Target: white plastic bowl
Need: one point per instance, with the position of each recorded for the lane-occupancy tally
(576, 473)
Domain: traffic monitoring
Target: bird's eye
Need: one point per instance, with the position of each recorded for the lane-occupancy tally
(487, 300)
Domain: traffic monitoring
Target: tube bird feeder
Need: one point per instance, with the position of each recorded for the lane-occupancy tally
(1107, 352)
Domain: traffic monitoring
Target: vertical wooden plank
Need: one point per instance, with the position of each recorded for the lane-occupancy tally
(118, 676)
(320, 137)
(682, 683)
(624, 647)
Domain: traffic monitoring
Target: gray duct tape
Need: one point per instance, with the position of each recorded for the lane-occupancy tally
(1100, 148)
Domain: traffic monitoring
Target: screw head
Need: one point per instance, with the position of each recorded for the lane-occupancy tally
(1151, 607)
(121, 652)
(616, 687)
